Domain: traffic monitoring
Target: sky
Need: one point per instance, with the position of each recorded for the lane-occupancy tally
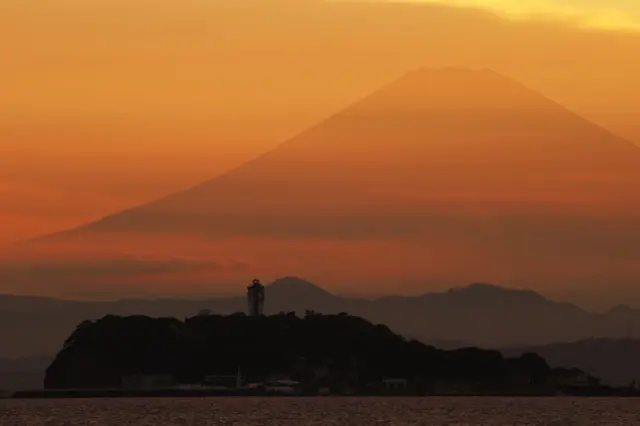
(615, 15)
(109, 104)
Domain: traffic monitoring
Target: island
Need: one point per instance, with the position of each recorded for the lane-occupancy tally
(284, 354)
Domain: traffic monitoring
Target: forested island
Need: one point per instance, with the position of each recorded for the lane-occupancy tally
(341, 354)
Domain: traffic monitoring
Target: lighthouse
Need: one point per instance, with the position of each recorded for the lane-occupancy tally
(255, 298)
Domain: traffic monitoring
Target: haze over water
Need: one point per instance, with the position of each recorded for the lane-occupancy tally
(321, 411)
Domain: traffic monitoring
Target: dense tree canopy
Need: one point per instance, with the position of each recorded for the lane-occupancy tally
(318, 348)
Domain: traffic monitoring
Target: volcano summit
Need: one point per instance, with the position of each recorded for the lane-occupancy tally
(443, 176)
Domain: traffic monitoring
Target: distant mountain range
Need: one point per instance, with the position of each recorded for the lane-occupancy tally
(480, 315)
(615, 361)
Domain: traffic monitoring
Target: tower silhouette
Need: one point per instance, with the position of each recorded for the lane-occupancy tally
(255, 298)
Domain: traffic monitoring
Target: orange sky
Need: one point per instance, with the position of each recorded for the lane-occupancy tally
(126, 97)
(110, 103)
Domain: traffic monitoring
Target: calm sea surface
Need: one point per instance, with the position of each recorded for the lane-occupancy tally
(320, 411)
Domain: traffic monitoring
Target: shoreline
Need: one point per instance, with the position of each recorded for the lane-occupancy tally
(208, 393)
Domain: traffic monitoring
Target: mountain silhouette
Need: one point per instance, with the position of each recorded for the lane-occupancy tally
(497, 318)
(296, 286)
(292, 292)
(443, 176)
(495, 134)
(615, 361)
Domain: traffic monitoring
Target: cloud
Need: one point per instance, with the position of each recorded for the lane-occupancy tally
(616, 14)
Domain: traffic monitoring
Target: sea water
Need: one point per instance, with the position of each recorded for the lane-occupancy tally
(340, 411)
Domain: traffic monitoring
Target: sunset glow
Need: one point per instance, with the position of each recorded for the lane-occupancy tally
(612, 15)
(474, 131)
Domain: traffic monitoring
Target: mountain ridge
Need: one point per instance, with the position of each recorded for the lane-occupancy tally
(434, 177)
(614, 360)
(38, 325)
(441, 318)
(412, 79)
